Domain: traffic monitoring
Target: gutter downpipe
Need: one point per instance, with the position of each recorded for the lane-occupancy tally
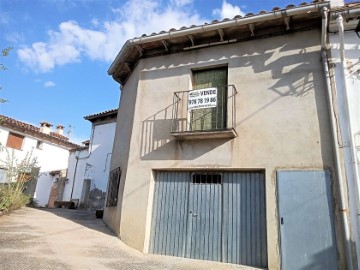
(211, 27)
(355, 172)
(342, 204)
(73, 183)
(78, 157)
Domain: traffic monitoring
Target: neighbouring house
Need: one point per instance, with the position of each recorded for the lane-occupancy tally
(51, 150)
(226, 143)
(89, 165)
(344, 63)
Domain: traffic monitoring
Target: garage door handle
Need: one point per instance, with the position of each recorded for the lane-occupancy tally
(193, 214)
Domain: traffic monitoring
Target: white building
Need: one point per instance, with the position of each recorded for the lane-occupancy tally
(344, 65)
(51, 150)
(89, 165)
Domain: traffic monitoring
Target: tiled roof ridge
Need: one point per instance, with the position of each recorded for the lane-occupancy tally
(346, 6)
(80, 148)
(36, 130)
(101, 113)
(250, 14)
(59, 136)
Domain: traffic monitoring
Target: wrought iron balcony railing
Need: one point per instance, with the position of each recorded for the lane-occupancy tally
(204, 113)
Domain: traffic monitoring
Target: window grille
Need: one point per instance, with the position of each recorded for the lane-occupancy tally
(113, 190)
(206, 178)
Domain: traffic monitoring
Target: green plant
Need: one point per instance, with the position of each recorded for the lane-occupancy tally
(5, 52)
(18, 173)
(32, 202)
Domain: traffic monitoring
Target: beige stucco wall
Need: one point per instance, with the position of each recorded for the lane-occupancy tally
(281, 121)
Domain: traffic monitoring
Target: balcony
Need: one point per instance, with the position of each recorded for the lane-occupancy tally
(204, 113)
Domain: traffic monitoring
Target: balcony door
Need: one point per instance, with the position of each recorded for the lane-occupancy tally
(210, 118)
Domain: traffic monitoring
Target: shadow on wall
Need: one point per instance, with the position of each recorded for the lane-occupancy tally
(298, 81)
(156, 131)
(295, 73)
(96, 199)
(157, 143)
(320, 260)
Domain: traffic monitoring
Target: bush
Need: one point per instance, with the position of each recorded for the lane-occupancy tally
(12, 197)
(18, 173)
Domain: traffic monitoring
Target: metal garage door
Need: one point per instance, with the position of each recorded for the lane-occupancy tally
(210, 215)
(306, 220)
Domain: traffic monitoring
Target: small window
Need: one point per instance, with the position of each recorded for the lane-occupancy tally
(3, 175)
(206, 178)
(15, 141)
(113, 189)
(39, 145)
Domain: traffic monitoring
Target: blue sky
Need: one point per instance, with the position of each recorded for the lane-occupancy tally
(62, 49)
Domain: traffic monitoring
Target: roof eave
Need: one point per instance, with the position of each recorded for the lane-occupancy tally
(120, 59)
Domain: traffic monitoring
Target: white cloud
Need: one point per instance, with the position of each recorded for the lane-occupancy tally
(71, 41)
(49, 84)
(14, 37)
(181, 3)
(228, 11)
(95, 22)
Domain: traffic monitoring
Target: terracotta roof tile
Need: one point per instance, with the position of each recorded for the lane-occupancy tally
(100, 114)
(122, 76)
(35, 131)
(62, 137)
(80, 148)
(290, 6)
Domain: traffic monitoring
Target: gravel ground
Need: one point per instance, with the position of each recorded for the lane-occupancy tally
(72, 239)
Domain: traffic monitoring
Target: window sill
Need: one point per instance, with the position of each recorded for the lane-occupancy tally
(198, 135)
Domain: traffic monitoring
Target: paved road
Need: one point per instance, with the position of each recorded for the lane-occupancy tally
(72, 239)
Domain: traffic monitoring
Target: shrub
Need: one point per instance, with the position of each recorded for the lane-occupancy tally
(18, 173)
(12, 197)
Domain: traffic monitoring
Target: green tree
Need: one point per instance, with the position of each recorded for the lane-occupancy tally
(5, 52)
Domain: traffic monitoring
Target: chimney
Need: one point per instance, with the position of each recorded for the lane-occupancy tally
(60, 130)
(86, 143)
(45, 127)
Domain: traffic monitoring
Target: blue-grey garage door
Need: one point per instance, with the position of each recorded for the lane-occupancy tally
(211, 216)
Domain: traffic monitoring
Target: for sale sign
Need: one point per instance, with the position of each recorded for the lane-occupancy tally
(202, 98)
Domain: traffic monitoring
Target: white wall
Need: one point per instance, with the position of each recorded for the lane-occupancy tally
(50, 158)
(100, 157)
(76, 169)
(93, 164)
(352, 74)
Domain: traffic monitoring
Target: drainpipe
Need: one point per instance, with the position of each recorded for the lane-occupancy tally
(354, 170)
(342, 203)
(73, 183)
(346, 101)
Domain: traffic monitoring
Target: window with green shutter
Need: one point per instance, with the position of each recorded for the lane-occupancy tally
(210, 118)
